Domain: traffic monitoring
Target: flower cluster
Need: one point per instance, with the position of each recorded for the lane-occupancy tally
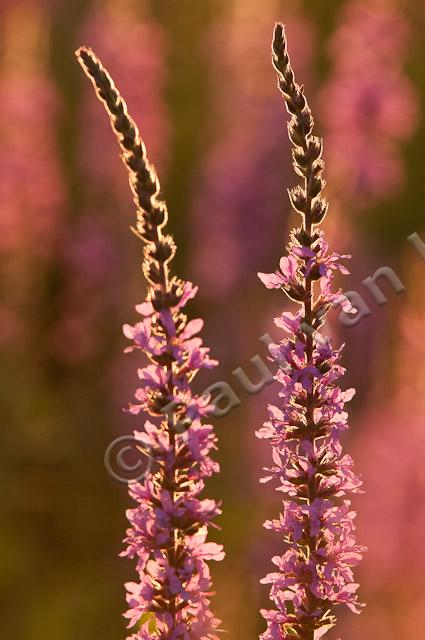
(169, 524)
(377, 103)
(315, 476)
(31, 209)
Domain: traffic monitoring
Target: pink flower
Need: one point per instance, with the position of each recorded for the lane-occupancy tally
(169, 524)
(286, 275)
(310, 470)
(161, 512)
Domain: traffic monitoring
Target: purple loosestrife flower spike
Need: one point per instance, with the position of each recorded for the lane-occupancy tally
(169, 524)
(315, 572)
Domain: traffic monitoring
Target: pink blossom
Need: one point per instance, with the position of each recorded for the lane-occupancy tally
(309, 468)
(169, 523)
(160, 511)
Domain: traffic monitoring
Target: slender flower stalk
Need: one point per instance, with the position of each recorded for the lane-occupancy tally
(169, 525)
(315, 572)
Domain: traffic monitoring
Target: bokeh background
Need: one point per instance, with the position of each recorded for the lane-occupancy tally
(198, 79)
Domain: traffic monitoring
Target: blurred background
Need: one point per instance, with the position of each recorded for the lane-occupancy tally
(198, 79)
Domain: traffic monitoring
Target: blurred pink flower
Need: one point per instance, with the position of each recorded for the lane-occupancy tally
(363, 24)
(377, 104)
(31, 189)
(389, 445)
(240, 194)
(89, 260)
(132, 45)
